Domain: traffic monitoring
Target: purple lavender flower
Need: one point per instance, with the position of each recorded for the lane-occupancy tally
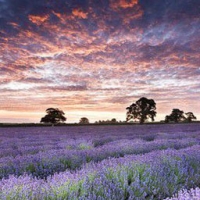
(192, 194)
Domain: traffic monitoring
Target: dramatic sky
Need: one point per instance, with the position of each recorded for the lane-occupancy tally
(94, 58)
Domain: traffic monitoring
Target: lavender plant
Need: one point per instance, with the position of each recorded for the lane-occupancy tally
(111, 162)
(192, 194)
(156, 175)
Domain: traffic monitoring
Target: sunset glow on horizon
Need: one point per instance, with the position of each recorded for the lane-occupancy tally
(94, 58)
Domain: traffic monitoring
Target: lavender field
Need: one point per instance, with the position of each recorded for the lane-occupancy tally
(100, 162)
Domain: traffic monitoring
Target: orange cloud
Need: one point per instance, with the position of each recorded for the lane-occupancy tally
(15, 25)
(123, 4)
(128, 17)
(79, 13)
(38, 19)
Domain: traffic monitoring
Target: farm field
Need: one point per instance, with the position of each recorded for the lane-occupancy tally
(100, 162)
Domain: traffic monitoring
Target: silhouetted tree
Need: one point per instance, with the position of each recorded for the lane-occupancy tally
(84, 120)
(141, 110)
(168, 119)
(113, 120)
(176, 116)
(53, 116)
(190, 116)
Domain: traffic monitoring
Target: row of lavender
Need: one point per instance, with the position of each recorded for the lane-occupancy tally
(156, 175)
(20, 141)
(47, 163)
(46, 151)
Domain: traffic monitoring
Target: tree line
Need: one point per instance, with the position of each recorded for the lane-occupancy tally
(142, 110)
